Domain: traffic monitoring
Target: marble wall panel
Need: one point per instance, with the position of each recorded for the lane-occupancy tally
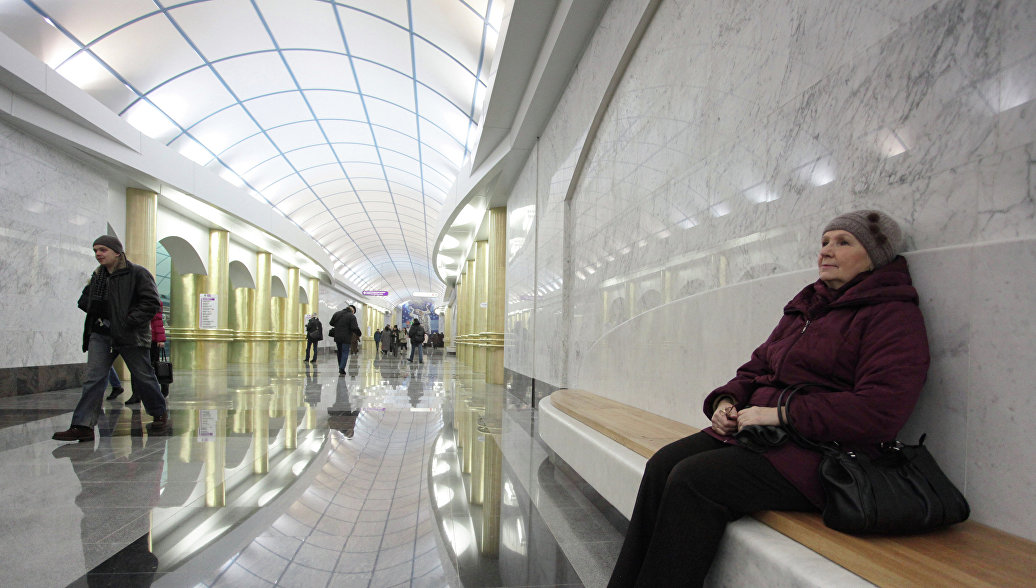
(1001, 462)
(738, 131)
(52, 207)
(521, 274)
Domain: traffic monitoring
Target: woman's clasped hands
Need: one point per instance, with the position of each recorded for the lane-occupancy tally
(727, 419)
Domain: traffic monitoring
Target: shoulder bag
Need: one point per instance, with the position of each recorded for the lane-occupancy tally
(163, 368)
(900, 492)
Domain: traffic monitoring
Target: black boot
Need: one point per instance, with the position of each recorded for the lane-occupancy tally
(116, 390)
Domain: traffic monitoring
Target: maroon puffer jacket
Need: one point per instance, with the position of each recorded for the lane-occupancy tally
(865, 344)
(157, 328)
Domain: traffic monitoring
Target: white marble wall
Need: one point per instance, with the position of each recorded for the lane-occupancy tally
(52, 207)
(738, 130)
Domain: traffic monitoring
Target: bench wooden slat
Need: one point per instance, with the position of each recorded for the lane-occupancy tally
(642, 431)
(968, 554)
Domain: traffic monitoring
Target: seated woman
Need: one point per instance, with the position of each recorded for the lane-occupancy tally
(859, 335)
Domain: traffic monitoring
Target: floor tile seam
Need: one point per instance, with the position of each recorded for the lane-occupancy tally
(242, 567)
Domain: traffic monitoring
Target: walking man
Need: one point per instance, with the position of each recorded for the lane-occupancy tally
(314, 334)
(416, 341)
(119, 302)
(345, 326)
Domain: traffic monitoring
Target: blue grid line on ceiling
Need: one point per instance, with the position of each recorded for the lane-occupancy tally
(279, 92)
(484, 18)
(125, 82)
(478, 77)
(226, 86)
(374, 138)
(206, 65)
(416, 82)
(417, 123)
(315, 184)
(323, 133)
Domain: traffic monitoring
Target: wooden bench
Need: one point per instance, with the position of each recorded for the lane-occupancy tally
(968, 554)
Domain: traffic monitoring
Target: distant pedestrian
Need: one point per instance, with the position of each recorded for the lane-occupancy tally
(345, 325)
(416, 341)
(314, 334)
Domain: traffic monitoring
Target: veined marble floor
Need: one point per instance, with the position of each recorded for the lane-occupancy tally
(290, 475)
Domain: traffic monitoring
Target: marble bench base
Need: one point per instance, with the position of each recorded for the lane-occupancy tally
(751, 553)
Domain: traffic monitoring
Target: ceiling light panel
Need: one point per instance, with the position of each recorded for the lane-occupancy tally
(90, 22)
(321, 70)
(158, 53)
(296, 24)
(243, 156)
(255, 75)
(382, 83)
(204, 23)
(437, 22)
(268, 92)
(320, 174)
(332, 103)
(376, 41)
(314, 156)
(275, 110)
(191, 96)
(347, 131)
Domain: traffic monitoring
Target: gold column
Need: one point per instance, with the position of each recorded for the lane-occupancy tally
(461, 303)
(261, 433)
(447, 339)
(242, 323)
(215, 463)
(278, 324)
(293, 332)
(476, 487)
(213, 344)
(182, 329)
(140, 239)
(492, 461)
(263, 333)
(290, 397)
(142, 227)
(481, 304)
(194, 347)
(470, 270)
(314, 302)
(497, 295)
(469, 422)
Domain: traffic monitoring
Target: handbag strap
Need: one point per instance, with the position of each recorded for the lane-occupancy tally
(161, 353)
(784, 417)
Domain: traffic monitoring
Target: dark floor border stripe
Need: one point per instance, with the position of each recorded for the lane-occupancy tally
(21, 381)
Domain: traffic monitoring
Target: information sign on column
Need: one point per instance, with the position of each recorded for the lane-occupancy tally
(208, 315)
(208, 421)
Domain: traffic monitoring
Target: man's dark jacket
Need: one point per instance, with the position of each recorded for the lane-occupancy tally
(132, 302)
(314, 330)
(345, 325)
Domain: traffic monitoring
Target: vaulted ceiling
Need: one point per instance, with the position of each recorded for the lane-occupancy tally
(350, 118)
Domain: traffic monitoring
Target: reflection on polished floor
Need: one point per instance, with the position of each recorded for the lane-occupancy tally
(395, 474)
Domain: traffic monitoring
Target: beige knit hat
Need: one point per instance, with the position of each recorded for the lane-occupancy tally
(877, 232)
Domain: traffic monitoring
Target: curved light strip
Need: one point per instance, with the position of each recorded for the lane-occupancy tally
(374, 225)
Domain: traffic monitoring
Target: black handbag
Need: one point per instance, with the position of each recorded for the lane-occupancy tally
(164, 368)
(902, 491)
(331, 332)
(761, 438)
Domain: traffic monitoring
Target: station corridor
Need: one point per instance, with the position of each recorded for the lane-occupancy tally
(289, 475)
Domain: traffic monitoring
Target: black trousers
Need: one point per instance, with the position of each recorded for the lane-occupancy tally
(690, 490)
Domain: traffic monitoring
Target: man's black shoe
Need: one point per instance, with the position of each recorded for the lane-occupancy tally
(75, 433)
